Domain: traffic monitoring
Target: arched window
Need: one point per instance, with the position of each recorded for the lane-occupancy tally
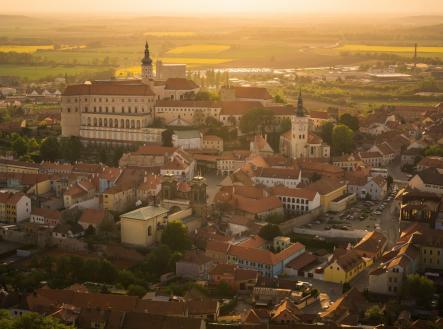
(116, 123)
(111, 123)
(122, 123)
(127, 123)
(138, 124)
(132, 124)
(100, 123)
(105, 122)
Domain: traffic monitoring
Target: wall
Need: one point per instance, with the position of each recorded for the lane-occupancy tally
(332, 234)
(290, 225)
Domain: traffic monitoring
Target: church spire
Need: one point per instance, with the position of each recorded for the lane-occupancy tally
(300, 112)
(147, 59)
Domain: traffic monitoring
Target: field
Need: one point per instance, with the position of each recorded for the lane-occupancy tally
(24, 49)
(176, 34)
(390, 49)
(198, 49)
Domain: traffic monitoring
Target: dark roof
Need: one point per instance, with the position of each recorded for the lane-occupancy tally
(180, 84)
(111, 88)
(431, 176)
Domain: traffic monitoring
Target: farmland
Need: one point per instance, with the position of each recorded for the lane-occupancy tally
(198, 49)
(24, 48)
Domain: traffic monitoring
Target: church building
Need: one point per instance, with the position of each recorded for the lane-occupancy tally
(300, 142)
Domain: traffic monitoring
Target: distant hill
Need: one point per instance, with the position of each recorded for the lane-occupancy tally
(421, 20)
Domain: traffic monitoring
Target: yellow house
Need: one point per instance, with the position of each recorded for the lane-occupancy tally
(344, 268)
(330, 189)
(15, 166)
(142, 227)
(119, 198)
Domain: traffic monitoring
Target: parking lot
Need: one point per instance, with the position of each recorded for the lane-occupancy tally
(363, 215)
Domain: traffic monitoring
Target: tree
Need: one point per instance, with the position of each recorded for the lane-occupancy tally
(175, 236)
(199, 118)
(374, 315)
(285, 125)
(434, 150)
(223, 290)
(167, 137)
(418, 288)
(256, 120)
(269, 232)
(29, 321)
(107, 226)
(342, 139)
(116, 155)
(136, 290)
(350, 121)
(346, 286)
(326, 132)
(20, 146)
(279, 99)
(70, 148)
(50, 149)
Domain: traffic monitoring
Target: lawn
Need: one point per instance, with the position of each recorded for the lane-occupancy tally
(198, 49)
(34, 73)
(390, 49)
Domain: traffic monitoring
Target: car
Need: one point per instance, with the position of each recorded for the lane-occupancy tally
(327, 228)
(317, 222)
(377, 212)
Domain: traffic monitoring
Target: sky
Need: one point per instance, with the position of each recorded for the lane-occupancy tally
(221, 7)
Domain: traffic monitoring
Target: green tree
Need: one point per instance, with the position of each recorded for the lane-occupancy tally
(350, 121)
(269, 232)
(29, 321)
(175, 236)
(136, 290)
(223, 290)
(342, 139)
(326, 130)
(167, 137)
(20, 146)
(279, 99)
(50, 149)
(374, 315)
(256, 120)
(418, 288)
(116, 155)
(436, 150)
(70, 148)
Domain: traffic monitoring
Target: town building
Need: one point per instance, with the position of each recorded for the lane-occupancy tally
(44, 216)
(14, 207)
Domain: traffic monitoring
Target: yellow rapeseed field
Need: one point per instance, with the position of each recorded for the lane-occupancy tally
(200, 49)
(391, 49)
(170, 34)
(24, 49)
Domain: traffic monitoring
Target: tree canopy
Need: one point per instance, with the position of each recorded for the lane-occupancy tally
(175, 236)
(70, 148)
(342, 139)
(350, 121)
(255, 120)
(418, 288)
(326, 132)
(50, 149)
(29, 321)
(269, 232)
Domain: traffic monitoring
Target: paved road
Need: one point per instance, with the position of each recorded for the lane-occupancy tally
(213, 181)
(389, 223)
(394, 170)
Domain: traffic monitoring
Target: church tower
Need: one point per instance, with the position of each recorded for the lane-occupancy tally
(300, 126)
(199, 199)
(147, 74)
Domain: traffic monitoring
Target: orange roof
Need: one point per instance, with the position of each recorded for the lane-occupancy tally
(188, 103)
(217, 246)
(46, 213)
(92, 216)
(253, 242)
(110, 88)
(264, 256)
(252, 93)
(154, 150)
(180, 84)
(239, 107)
(283, 173)
(10, 198)
(254, 206)
(212, 138)
(319, 115)
(326, 185)
(294, 192)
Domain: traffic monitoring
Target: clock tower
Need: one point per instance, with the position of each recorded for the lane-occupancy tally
(147, 66)
(300, 126)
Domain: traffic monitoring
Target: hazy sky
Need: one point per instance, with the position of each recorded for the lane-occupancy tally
(188, 7)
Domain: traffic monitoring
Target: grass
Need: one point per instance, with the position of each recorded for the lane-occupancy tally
(389, 49)
(198, 49)
(34, 73)
(24, 49)
(166, 34)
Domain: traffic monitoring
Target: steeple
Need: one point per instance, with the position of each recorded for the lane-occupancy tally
(147, 59)
(300, 112)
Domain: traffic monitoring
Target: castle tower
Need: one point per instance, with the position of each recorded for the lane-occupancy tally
(147, 74)
(199, 199)
(300, 126)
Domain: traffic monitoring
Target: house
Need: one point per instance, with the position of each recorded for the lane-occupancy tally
(142, 227)
(68, 230)
(259, 94)
(217, 250)
(318, 119)
(343, 267)
(212, 142)
(348, 162)
(367, 187)
(289, 177)
(44, 216)
(314, 169)
(78, 192)
(411, 156)
(93, 217)
(428, 180)
(297, 200)
(260, 145)
(248, 255)
(301, 265)
(230, 161)
(430, 162)
(237, 278)
(372, 245)
(330, 190)
(14, 207)
(187, 139)
(372, 159)
(387, 152)
(194, 265)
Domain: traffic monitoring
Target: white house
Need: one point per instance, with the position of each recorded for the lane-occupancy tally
(297, 200)
(289, 177)
(187, 139)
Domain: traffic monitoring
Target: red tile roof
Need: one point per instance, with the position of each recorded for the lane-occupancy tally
(252, 93)
(180, 84)
(93, 216)
(110, 88)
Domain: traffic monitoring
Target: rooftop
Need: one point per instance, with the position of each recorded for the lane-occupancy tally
(145, 213)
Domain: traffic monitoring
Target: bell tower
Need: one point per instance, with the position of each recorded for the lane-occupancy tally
(199, 199)
(300, 126)
(147, 74)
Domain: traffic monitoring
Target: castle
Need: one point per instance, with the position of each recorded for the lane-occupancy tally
(120, 111)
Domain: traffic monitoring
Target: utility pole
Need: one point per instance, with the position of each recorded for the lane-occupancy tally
(415, 56)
